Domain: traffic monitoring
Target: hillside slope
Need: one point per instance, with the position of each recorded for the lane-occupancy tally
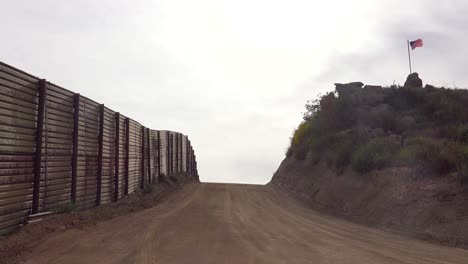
(395, 158)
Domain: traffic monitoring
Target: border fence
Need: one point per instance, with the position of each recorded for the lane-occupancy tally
(59, 148)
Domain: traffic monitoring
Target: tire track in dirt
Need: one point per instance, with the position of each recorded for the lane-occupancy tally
(228, 223)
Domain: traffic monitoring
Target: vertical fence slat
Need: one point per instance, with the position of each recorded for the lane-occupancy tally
(38, 152)
(186, 155)
(127, 153)
(176, 153)
(101, 138)
(117, 156)
(180, 153)
(76, 116)
(142, 157)
(193, 163)
(172, 153)
(159, 154)
(148, 145)
(168, 152)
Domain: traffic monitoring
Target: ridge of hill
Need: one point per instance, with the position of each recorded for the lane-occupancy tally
(395, 158)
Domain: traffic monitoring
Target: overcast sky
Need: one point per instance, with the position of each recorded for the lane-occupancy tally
(233, 75)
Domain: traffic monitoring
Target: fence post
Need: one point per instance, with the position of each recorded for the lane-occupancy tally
(100, 142)
(193, 162)
(38, 154)
(159, 153)
(127, 153)
(117, 156)
(172, 153)
(168, 152)
(187, 154)
(149, 155)
(181, 153)
(76, 116)
(196, 167)
(177, 152)
(190, 160)
(142, 157)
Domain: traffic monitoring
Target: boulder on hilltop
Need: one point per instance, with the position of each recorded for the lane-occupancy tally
(413, 80)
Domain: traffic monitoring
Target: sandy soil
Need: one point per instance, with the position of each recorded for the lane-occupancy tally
(222, 223)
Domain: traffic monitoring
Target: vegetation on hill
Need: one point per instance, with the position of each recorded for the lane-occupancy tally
(373, 127)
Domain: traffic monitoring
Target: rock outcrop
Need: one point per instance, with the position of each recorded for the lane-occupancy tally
(413, 80)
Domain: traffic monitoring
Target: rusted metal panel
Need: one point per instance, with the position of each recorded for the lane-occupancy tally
(143, 157)
(117, 156)
(76, 111)
(38, 154)
(122, 155)
(127, 152)
(57, 178)
(171, 149)
(181, 150)
(168, 153)
(108, 155)
(159, 153)
(148, 151)
(87, 154)
(101, 136)
(176, 150)
(134, 156)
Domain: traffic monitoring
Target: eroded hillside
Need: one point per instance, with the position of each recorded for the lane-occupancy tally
(392, 157)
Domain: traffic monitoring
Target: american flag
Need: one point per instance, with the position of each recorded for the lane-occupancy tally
(416, 44)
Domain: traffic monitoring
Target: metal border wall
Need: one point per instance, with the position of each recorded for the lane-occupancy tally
(60, 149)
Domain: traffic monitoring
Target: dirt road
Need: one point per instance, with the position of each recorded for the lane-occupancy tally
(222, 223)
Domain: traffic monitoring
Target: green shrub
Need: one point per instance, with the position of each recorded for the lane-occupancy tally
(340, 130)
(463, 174)
(298, 143)
(443, 156)
(376, 154)
(407, 156)
(301, 133)
(344, 144)
(424, 148)
(343, 157)
(447, 105)
(404, 98)
(463, 167)
(458, 132)
(448, 158)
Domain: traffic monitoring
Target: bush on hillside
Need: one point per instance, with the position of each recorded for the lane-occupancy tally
(374, 127)
(442, 156)
(341, 147)
(376, 154)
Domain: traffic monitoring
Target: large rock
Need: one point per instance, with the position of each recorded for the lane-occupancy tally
(348, 88)
(413, 80)
(373, 95)
(326, 103)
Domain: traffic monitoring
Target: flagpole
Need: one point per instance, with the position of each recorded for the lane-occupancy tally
(409, 56)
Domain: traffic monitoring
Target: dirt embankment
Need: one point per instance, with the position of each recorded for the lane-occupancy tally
(32, 235)
(394, 199)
